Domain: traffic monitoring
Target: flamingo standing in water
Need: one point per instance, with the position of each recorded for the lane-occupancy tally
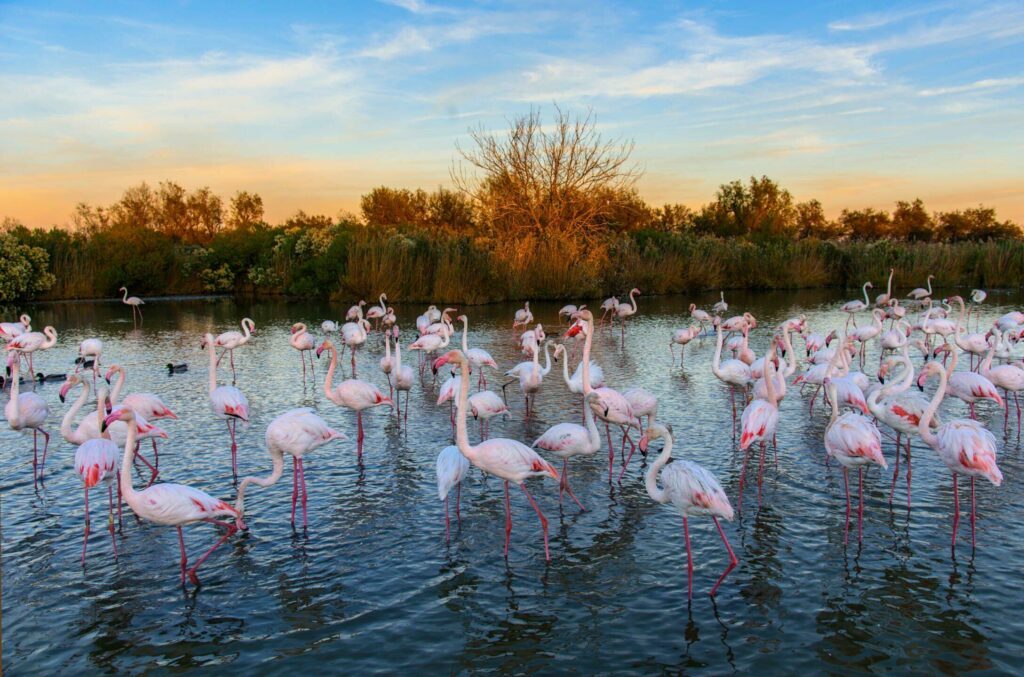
(430, 344)
(170, 504)
(478, 357)
(624, 311)
(508, 459)
(232, 339)
(134, 302)
(227, 402)
(27, 411)
(978, 297)
(567, 311)
(523, 316)
(575, 382)
(376, 313)
(387, 363)
(149, 406)
(10, 330)
(403, 379)
(691, 490)
(531, 375)
(1009, 377)
(452, 467)
(966, 447)
(608, 306)
(856, 306)
(566, 440)
(352, 394)
(93, 348)
(969, 386)
(733, 373)
(96, 462)
(28, 343)
(920, 294)
(882, 300)
(296, 433)
(854, 441)
(485, 405)
(304, 343)
(758, 423)
(354, 336)
(681, 337)
(720, 306)
(701, 316)
(355, 313)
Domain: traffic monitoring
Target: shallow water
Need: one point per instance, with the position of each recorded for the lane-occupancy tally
(372, 584)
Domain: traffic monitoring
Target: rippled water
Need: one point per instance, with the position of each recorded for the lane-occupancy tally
(372, 584)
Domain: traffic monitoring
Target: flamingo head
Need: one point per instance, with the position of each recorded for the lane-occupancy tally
(122, 414)
(124, 289)
(68, 385)
(296, 327)
(451, 356)
(870, 286)
(462, 318)
(110, 372)
(326, 345)
(634, 290)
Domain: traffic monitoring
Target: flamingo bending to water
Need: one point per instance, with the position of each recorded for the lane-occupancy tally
(28, 343)
(566, 440)
(691, 490)
(523, 316)
(485, 405)
(508, 459)
(11, 330)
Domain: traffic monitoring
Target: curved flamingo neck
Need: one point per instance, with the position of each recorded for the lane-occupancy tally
(565, 363)
(930, 285)
(461, 435)
(115, 394)
(247, 326)
(277, 458)
(465, 330)
(329, 379)
(398, 359)
(387, 345)
(632, 299)
(547, 359)
(833, 397)
(924, 424)
(651, 478)
(790, 354)
(769, 378)
(866, 300)
(593, 436)
(716, 361)
(65, 424)
(11, 410)
(124, 299)
(127, 490)
(588, 327)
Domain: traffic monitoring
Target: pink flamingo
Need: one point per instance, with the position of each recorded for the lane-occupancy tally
(575, 382)
(296, 433)
(883, 299)
(1009, 377)
(975, 344)
(816, 342)
(430, 344)
(920, 293)
(681, 337)
(11, 330)
(148, 405)
(485, 405)
(701, 316)
(355, 313)
(856, 306)
(352, 394)
(624, 311)
(732, 373)
(854, 441)
(387, 363)
(93, 348)
(228, 403)
(523, 316)
(966, 447)
(969, 386)
(353, 336)
(566, 440)
(403, 379)
(693, 491)
(531, 375)
(758, 423)
(376, 313)
(720, 306)
(95, 462)
(510, 460)
(302, 341)
(608, 306)
(170, 504)
(478, 357)
(135, 302)
(452, 467)
(568, 310)
(230, 340)
(29, 342)
(27, 411)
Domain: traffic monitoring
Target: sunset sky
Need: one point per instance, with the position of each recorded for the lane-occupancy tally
(313, 104)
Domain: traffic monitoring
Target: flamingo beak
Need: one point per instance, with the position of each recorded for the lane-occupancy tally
(319, 350)
(108, 420)
(643, 443)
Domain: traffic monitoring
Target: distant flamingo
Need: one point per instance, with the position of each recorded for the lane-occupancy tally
(721, 307)
(566, 440)
(355, 313)
(857, 306)
(567, 311)
(376, 313)
(1009, 377)
(353, 334)
(329, 327)
(27, 411)
(10, 330)
(974, 344)
(523, 316)
(485, 405)
(920, 293)
(626, 311)
(351, 394)
(507, 459)
(403, 378)
(91, 348)
(478, 357)
(882, 300)
(608, 306)
(170, 504)
(304, 343)
(531, 376)
(230, 340)
(701, 316)
(682, 337)
(227, 402)
(28, 343)
(978, 297)
(854, 441)
(95, 462)
(387, 363)
(452, 467)
(691, 490)
(296, 432)
(134, 302)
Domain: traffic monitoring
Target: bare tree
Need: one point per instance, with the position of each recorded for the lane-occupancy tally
(536, 180)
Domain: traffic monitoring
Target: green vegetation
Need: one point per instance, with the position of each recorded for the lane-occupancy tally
(540, 212)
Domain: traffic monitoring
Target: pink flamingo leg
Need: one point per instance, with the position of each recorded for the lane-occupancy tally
(231, 530)
(860, 505)
(458, 502)
(543, 521)
(895, 472)
(508, 519)
(972, 514)
(156, 454)
(302, 356)
(359, 434)
(234, 447)
(956, 512)
(184, 559)
(447, 523)
(564, 483)
(119, 500)
(110, 518)
(152, 470)
(302, 475)
(35, 457)
(909, 472)
(611, 451)
(85, 535)
(846, 529)
(295, 486)
(733, 560)
(689, 560)
(46, 446)
(743, 480)
(233, 377)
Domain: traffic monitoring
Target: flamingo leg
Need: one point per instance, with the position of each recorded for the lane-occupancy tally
(359, 432)
(860, 505)
(973, 514)
(896, 472)
(565, 482)
(956, 512)
(295, 486)
(156, 454)
(406, 418)
(46, 446)
(689, 560)
(35, 456)
(611, 451)
(110, 518)
(846, 529)
(302, 356)
(234, 447)
(231, 529)
(909, 472)
(233, 376)
(743, 479)
(543, 520)
(119, 500)
(447, 523)
(302, 477)
(85, 535)
(733, 560)
(152, 469)
(184, 559)
(508, 519)
(458, 501)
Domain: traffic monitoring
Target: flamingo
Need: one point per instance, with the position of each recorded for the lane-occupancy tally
(759, 421)
(894, 338)
(27, 411)
(387, 363)
(443, 323)
(1010, 321)
(643, 403)
(93, 348)
(608, 306)
(10, 330)
(566, 440)
(531, 338)
(693, 491)
(485, 405)
(352, 394)
(974, 344)
(575, 382)
(920, 293)
(883, 299)
(510, 460)
(376, 313)
(89, 427)
(230, 340)
(523, 316)
(302, 341)
(854, 441)
(353, 334)
(433, 314)
(329, 327)
(721, 306)
(761, 385)
(228, 403)
(624, 311)
(978, 297)
(965, 446)
(134, 302)
(403, 378)
(389, 320)
(148, 405)
(31, 341)
(968, 386)
(170, 504)
(681, 337)
(478, 357)
(816, 342)
(1009, 377)
(430, 343)
(856, 306)
(96, 462)
(355, 313)
(866, 333)
(613, 408)
(452, 467)
(296, 432)
(701, 316)
(531, 375)
(567, 311)
(423, 321)
(732, 373)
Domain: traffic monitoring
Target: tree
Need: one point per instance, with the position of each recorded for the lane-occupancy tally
(544, 181)
(866, 224)
(23, 268)
(246, 210)
(762, 210)
(206, 214)
(978, 223)
(137, 208)
(672, 218)
(911, 222)
(451, 211)
(173, 213)
(811, 222)
(385, 206)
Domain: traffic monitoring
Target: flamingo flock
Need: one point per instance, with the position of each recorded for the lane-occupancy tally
(862, 406)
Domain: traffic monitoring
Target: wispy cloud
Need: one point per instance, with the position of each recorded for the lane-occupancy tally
(881, 19)
(419, 7)
(410, 40)
(987, 84)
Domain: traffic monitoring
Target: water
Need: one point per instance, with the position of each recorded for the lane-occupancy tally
(372, 584)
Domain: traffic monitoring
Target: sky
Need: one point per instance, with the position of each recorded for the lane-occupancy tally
(312, 104)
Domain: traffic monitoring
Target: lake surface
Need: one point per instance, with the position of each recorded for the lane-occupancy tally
(372, 586)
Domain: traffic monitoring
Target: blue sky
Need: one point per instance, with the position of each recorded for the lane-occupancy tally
(313, 104)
